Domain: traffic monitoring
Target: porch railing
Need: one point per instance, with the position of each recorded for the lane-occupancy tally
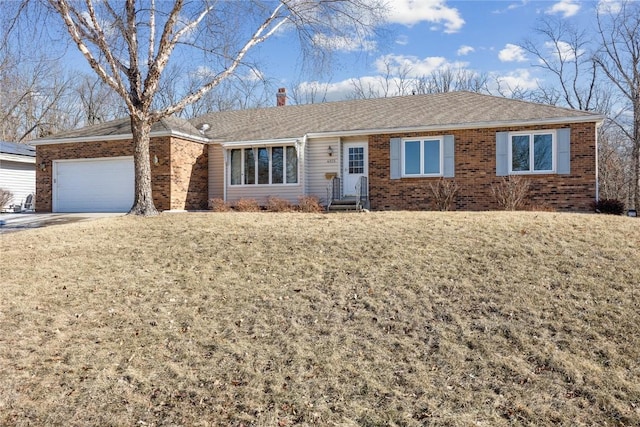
(333, 191)
(362, 193)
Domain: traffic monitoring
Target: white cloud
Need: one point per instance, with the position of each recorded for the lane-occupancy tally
(343, 43)
(516, 80)
(396, 74)
(563, 51)
(512, 53)
(567, 8)
(512, 6)
(609, 6)
(411, 12)
(465, 50)
(402, 40)
(408, 65)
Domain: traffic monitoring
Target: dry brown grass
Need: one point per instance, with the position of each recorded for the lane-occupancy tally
(378, 319)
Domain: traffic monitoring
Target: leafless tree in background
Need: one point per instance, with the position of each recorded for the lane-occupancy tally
(34, 88)
(619, 59)
(566, 53)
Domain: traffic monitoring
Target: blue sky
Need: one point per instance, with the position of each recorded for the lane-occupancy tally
(428, 34)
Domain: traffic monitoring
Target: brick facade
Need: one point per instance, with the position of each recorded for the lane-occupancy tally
(189, 175)
(475, 173)
(179, 180)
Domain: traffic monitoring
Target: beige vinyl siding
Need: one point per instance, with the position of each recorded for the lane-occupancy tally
(260, 193)
(19, 178)
(216, 171)
(319, 163)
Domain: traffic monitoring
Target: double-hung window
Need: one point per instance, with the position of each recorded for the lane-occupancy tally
(532, 152)
(264, 165)
(422, 157)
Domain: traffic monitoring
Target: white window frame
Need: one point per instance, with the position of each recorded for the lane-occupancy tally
(531, 134)
(270, 152)
(422, 139)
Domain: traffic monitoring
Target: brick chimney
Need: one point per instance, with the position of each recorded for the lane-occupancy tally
(281, 97)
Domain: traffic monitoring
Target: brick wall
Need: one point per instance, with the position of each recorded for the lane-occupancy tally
(189, 175)
(475, 173)
(171, 184)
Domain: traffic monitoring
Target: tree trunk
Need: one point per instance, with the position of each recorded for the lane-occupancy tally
(636, 161)
(143, 203)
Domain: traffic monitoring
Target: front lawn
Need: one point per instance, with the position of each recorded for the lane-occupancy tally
(389, 318)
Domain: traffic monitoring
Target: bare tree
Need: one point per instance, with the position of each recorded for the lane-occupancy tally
(99, 103)
(398, 80)
(619, 59)
(451, 79)
(129, 45)
(308, 92)
(565, 52)
(34, 97)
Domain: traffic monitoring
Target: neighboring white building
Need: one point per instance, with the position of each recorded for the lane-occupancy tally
(17, 171)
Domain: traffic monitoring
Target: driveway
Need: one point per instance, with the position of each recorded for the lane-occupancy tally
(24, 221)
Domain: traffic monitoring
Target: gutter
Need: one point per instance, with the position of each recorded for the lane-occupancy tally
(118, 137)
(7, 157)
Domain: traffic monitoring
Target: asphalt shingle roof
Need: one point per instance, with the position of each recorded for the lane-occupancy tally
(441, 110)
(415, 111)
(123, 127)
(18, 149)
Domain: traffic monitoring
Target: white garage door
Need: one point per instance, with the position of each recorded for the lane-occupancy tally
(93, 185)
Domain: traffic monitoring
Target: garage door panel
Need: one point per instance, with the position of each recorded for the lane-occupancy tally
(94, 185)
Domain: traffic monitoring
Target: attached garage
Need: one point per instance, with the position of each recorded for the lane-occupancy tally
(93, 185)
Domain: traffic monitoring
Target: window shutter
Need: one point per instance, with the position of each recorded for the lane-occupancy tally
(396, 161)
(564, 151)
(449, 159)
(502, 153)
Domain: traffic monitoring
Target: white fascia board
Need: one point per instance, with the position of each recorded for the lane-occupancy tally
(118, 137)
(17, 158)
(262, 142)
(461, 126)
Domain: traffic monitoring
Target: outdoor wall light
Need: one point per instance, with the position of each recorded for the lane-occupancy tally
(632, 212)
(155, 160)
(330, 151)
(43, 166)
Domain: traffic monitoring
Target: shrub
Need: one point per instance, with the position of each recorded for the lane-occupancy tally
(511, 193)
(5, 197)
(277, 204)
(247, 205)
(219, 205)
(540, 208)
(309, 204)
(444, 192)
(609, 206)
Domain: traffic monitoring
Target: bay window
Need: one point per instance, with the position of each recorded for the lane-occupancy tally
(264, 165)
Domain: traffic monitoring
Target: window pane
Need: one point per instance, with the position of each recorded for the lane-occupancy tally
(356, 160)
(249, 167)
(431, 153)
(236, 167)
(263, 166)
(292, 165)
(277, 165)
(542, 152)
(412, 157)
(520, 153)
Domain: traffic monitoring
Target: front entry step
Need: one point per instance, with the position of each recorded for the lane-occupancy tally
(345, 204)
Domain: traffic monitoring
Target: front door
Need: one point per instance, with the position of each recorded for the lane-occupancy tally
(355, 165)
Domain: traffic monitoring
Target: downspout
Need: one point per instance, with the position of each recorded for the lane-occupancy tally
(597, 163)
(224, 178)
(303, 176)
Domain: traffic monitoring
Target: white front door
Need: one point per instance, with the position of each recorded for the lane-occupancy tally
(354, 164)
